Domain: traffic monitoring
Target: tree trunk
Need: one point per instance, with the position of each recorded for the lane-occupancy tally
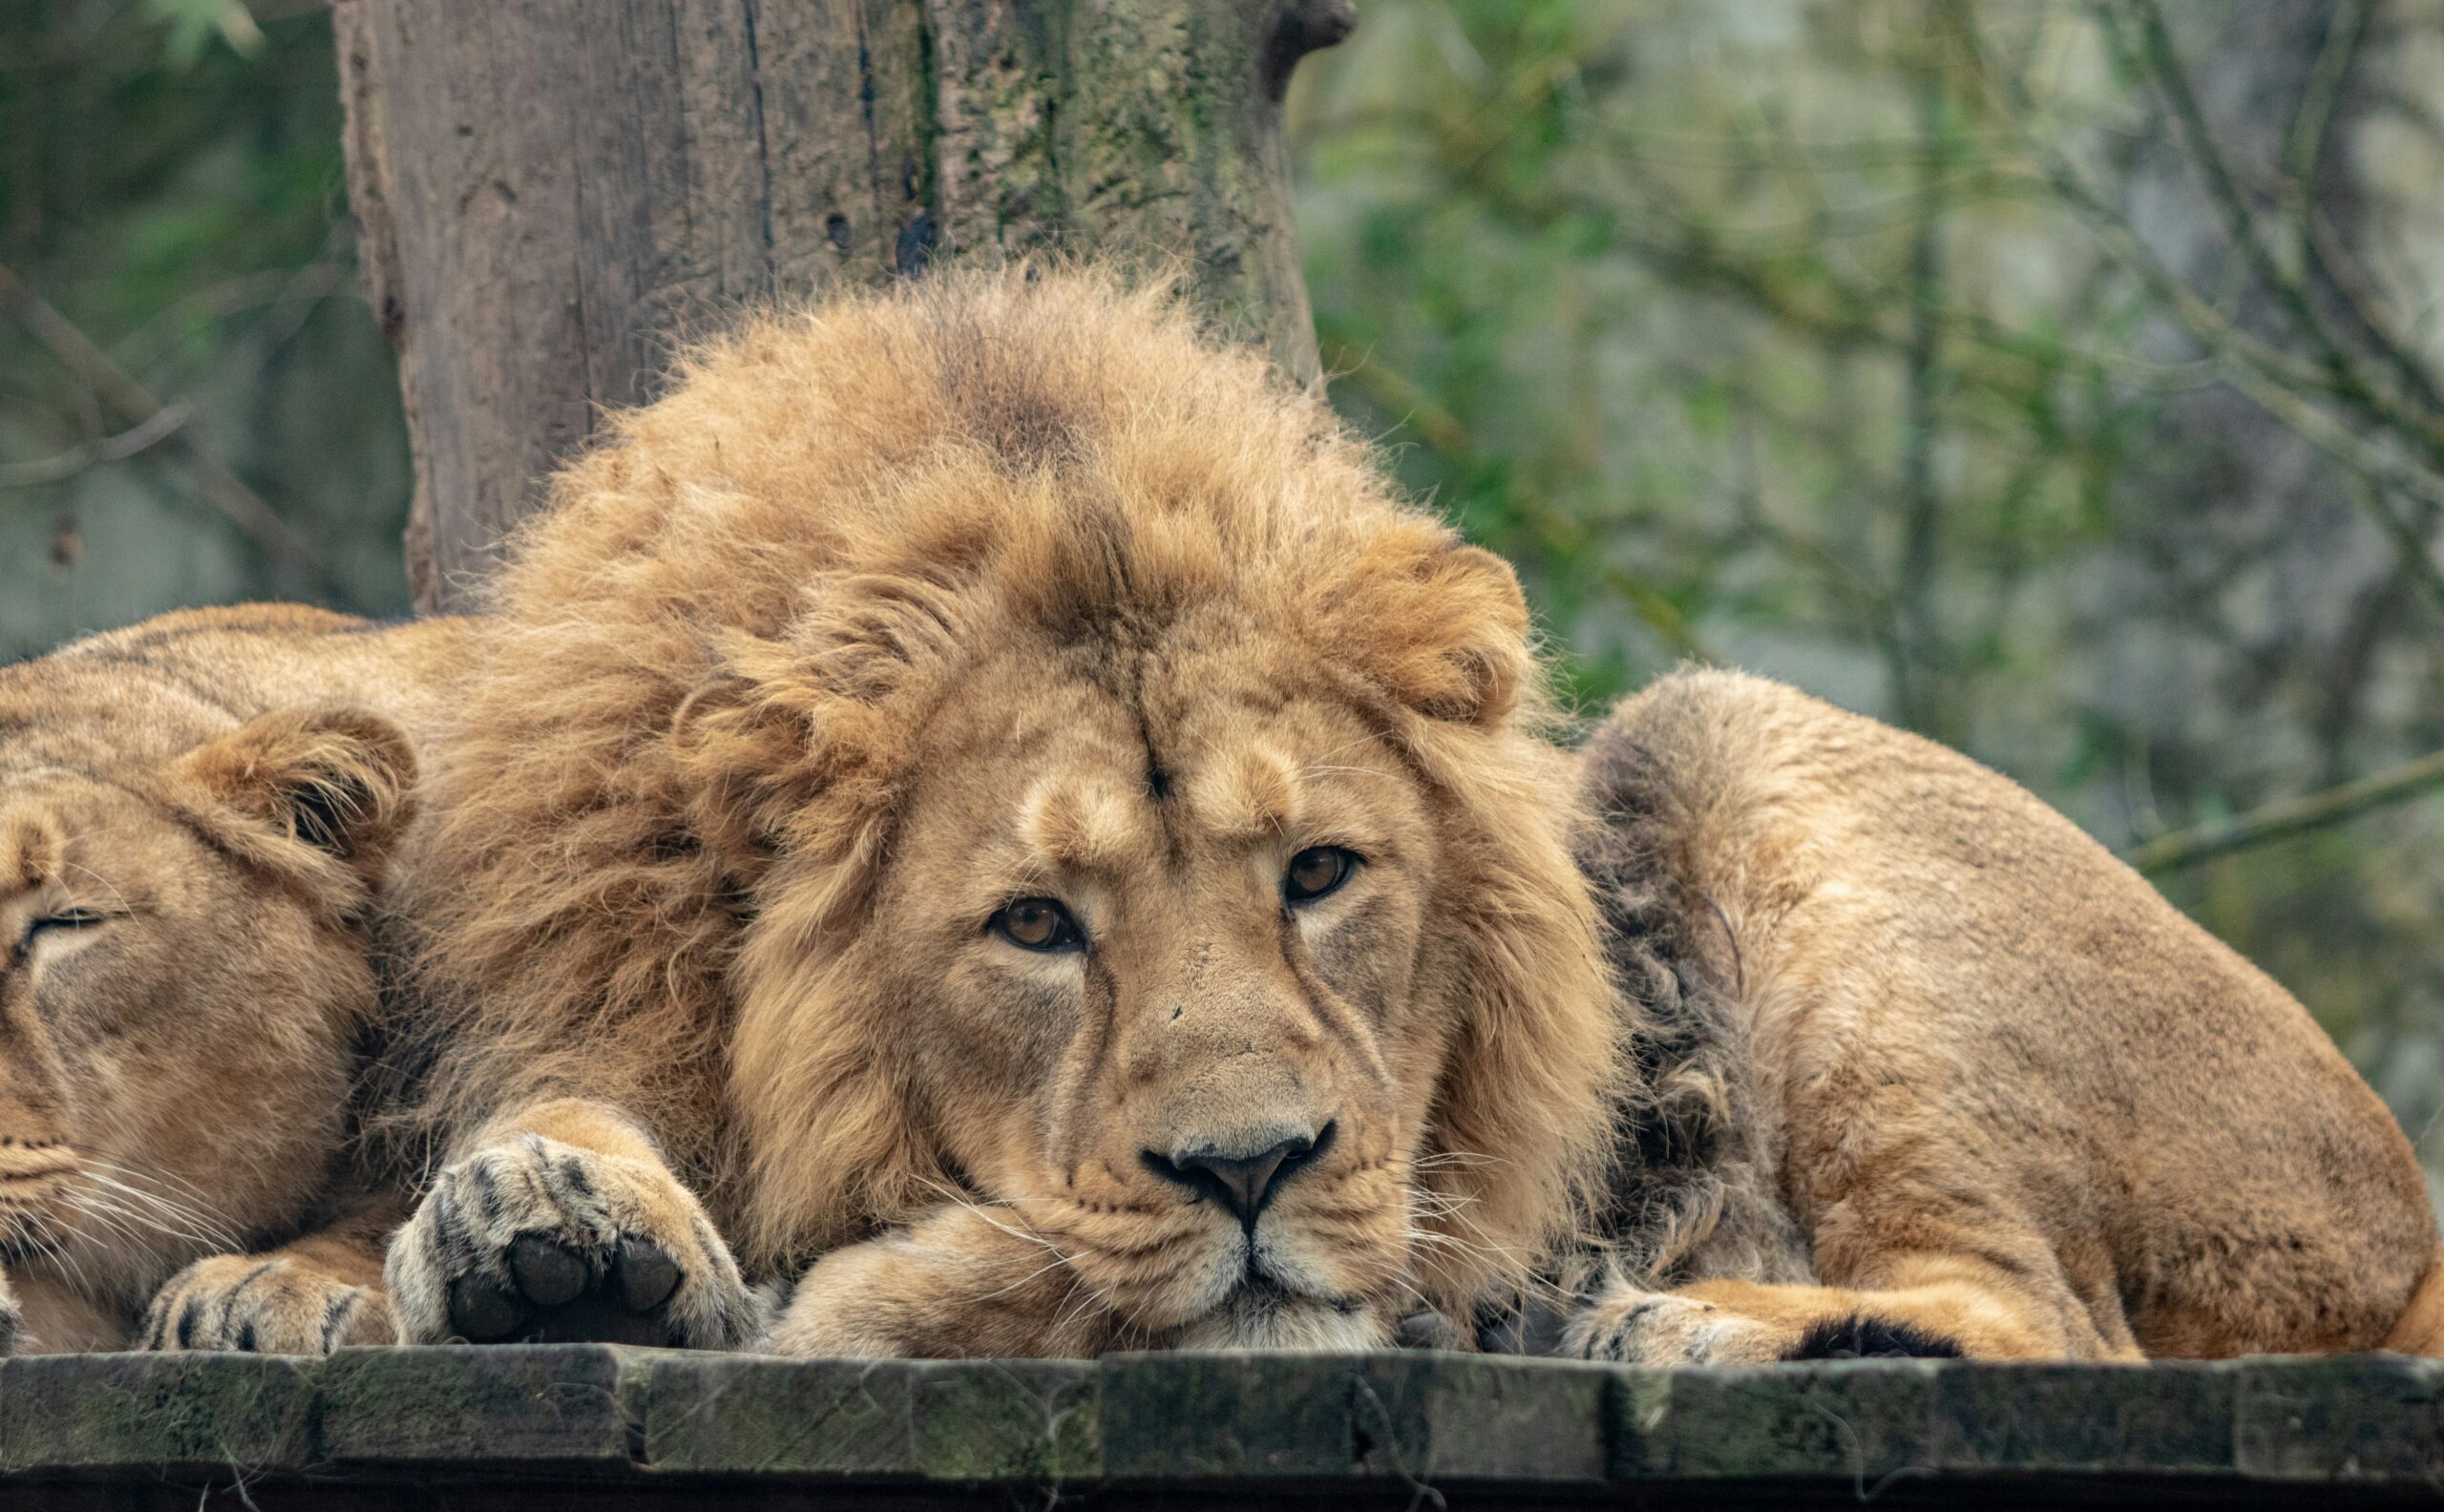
(552, 191)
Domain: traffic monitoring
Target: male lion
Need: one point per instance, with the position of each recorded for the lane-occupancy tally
(194, 813)
(991, 791)
(982, 790)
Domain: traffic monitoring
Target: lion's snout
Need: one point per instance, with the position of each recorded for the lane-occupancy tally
(1242, 1175)
(36, 1179)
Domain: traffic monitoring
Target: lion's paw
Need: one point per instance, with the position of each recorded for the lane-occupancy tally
(262, 1306)
(1659, 1328)
(537, 1241)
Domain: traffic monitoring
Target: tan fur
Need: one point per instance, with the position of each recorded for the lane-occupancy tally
(1010, 585)
(2009, 1098)
(219, 788)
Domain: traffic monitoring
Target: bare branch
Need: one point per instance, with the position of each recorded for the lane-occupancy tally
(110, 449)
(2303, 145)
(220, 487)
(2288, 816)
(2409, 538)
(2239, 224)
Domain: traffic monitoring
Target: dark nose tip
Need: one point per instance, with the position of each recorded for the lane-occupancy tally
(1244, 1184)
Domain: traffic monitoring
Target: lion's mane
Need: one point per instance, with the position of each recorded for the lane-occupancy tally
(665, 807)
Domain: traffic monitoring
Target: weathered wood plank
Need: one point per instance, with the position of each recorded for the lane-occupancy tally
(592, 1425)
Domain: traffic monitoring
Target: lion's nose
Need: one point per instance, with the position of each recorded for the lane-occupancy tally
(1243, 1182)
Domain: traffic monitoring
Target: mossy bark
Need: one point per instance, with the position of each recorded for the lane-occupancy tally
(552, 193)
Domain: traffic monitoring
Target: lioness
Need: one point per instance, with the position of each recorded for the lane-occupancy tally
(1925, 1070)
(980, 789)
(194, 815)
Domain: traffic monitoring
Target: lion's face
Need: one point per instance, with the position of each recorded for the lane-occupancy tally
(1181, 990)
(180, 981)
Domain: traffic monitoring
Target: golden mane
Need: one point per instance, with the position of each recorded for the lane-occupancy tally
(664, 811)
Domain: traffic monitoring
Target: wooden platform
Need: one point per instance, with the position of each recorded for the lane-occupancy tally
(571, 1426)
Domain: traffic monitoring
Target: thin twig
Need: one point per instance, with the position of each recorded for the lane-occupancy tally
(2304, 144)
(109, 449)
(137, 408)
(1919, 648)
(2290, 816)
(2409, 538)
(2313, 425)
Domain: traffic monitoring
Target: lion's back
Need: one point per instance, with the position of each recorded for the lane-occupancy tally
(162, 683)
(1913, 936)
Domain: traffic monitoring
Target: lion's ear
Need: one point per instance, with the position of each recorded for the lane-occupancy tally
(336, 785)
(1439, 624)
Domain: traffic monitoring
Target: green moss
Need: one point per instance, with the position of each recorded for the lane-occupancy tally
(95, 1412)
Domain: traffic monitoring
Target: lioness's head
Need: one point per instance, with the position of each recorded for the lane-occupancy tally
(1095, 792)
(181, 968)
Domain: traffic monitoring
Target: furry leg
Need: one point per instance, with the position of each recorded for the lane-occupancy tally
(964, 1282)
(1939, 1306)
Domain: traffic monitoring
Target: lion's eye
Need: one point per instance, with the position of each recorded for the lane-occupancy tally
(65, 921)
(1316, 871)
(1037, 924)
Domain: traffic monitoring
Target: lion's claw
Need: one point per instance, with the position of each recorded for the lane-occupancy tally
(537, 1241)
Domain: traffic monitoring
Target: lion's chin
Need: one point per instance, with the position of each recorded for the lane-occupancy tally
(1259, 1315)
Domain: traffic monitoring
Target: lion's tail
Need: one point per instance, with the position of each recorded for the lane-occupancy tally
(2421, 1329)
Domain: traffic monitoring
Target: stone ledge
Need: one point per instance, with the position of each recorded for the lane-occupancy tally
(627, 1422)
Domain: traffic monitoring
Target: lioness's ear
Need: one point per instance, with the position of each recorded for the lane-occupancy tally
(339, 782)
(1442, 625)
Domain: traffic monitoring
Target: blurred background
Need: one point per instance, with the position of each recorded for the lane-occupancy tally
(2064, 381)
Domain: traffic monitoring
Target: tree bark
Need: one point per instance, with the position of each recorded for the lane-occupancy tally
(555, 191)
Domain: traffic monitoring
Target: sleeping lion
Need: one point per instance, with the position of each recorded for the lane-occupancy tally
(195, 814)
(985, 800)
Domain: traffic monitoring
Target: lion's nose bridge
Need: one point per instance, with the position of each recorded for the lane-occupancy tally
(32, 1114)
(1236, 1079)
(32, 1139)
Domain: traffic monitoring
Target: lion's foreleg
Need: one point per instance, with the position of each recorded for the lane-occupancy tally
(969, 1281)
(565, 1221)
(1946, 1308)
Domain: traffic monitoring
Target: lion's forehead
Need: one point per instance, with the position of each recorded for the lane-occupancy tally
(44, 812)
(1089, 778)
(67, 827)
